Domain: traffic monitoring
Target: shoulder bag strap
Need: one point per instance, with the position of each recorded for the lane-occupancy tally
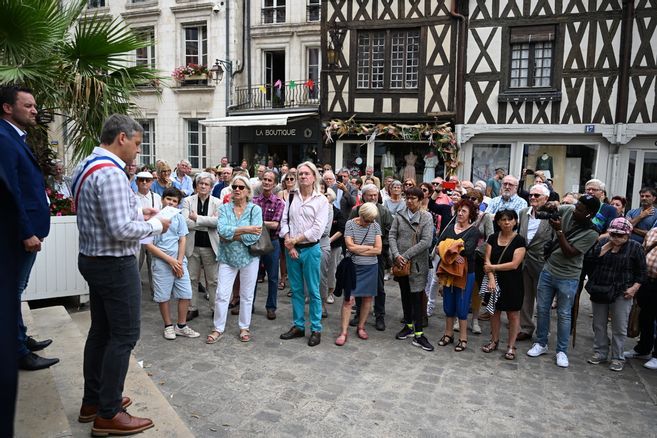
(505, 248)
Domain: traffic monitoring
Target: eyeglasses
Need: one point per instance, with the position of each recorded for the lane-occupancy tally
(535, 195)
(509, 184)
(592, 189)
(236, 187)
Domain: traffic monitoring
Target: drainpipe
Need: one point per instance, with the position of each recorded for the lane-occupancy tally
(247, 4)
(625, 61)
(460, 62)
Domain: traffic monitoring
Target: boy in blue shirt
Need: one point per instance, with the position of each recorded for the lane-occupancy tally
(170, 274)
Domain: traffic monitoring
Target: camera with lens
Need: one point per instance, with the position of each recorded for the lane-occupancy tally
(547, 212)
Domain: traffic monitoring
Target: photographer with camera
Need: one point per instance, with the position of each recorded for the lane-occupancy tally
(537, 232)
(575, 235)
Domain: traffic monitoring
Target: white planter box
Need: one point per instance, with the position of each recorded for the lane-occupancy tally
(55, 272)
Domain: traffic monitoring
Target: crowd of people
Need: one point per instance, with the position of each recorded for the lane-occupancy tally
(486, 247)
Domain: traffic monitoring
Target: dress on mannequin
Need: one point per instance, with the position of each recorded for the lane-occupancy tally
(430, 163)
(544, 163)
(388, 164)
(409, 170)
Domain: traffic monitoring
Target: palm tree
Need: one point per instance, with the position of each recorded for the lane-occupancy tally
(77, 65)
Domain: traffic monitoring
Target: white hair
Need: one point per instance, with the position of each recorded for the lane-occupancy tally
(245, 180)
(330, 195)
(595, 182)
(541, 188)
(204, 175)
(369, 188)
(315, 172)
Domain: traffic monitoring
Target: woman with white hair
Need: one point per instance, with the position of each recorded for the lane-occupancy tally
(362, 237)
(395, 202)
(239, 226)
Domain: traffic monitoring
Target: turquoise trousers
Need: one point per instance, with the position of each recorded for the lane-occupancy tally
(300, 271)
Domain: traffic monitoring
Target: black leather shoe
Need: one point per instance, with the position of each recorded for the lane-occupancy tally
(380, 323)
(294, 332)
(354, 321)
(191, 314)
(33, 362)
(34, 345)
(324, 313)
(315, 339)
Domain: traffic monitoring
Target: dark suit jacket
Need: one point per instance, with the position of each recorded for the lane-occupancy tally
(23, 172)
(348, 199)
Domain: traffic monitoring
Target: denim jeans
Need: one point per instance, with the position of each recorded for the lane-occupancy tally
(304, 271)
(25, 264)
(565, 291)
(271, 261)
(114, 302)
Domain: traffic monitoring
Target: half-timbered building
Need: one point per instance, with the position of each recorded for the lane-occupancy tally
(389, 81)
(563, 86)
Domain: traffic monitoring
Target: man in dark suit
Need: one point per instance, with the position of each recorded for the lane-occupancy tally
(345, 193)
(21, 169)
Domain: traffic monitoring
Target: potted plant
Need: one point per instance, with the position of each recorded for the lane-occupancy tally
(190, 72)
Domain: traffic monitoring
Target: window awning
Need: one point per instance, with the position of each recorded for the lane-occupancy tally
(280, 119)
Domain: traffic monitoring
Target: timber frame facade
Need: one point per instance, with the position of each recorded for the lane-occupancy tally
(593, 107)
(420, 35)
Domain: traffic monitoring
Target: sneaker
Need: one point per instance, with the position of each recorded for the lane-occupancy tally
(169, 333)
(616, 365)
(476, 329)
(537, 350)
(404, 333)
(430, 309)
(330, 299)
(562, 360)
(422, 342)
(456, 325)
(651, 364)
(386, 277)
(632, 354)
(597, 359)
(186, 332)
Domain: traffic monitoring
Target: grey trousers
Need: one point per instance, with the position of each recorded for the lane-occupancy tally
(620, 313)
(145, 255)
(333, 261)
(324, 268)
(530, 275)
(203, 258)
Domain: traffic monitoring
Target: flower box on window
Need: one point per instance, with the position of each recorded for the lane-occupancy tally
(191, 73)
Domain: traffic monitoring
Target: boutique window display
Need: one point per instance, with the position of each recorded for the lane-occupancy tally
(419, 151)
(569, 166)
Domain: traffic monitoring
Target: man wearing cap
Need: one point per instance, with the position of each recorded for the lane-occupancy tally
(147, 199)
(560, 275)
(619, 269)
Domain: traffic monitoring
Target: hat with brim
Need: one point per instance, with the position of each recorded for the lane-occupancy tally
(145, 175)
(620, 225)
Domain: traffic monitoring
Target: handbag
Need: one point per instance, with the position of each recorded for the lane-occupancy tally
(633, 329)
(345, 273)
(404, 271)
(489, 298)
(601, 293)
(263, 246)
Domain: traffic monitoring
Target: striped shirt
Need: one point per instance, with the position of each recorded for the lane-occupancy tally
(362, 236)
(651, 257)
(108, 213)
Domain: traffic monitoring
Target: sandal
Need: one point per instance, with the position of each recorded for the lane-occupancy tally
(360, 331)
(281, 285)
(341, 340)
(446, 339)
(245, 335)
(490, 347)
(462, 345)
(213, 337)
(510, 353)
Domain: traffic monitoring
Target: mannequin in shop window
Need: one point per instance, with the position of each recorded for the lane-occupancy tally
(409, 170)
(544, 163)
(430, 163)
(388, 164)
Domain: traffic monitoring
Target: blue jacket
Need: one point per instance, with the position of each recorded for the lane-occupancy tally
(23, 172)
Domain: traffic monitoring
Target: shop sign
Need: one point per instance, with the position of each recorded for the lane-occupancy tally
(296, 132)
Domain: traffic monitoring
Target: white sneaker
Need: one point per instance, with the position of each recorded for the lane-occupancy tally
(186, 332)
(456, 326)
(476, 329)
(386, 277)
(562, 360)
(632, 354)
(651, 364)
(330, 299)
(169, 333)
(537, 350)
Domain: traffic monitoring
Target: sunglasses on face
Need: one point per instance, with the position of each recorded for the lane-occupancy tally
(617, 235)
(472, 198)
(535, 195)
(289, 178)
(408, 184)
(425, 190)
(236, 187)
(143, 180)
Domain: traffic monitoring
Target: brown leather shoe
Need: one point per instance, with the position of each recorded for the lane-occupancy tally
(235, 310)
(484, 316)
(294, 332)
(271, 314)
(523, 336)
(88, 412)
(122, 424)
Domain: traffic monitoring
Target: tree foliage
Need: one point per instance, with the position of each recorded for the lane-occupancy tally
(78, 65)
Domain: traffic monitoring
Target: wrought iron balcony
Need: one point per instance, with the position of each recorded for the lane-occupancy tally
(290, 94)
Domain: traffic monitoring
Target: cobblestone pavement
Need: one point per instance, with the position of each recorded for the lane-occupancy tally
(384, 387)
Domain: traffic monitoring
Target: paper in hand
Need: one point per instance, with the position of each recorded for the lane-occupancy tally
(168, 212)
